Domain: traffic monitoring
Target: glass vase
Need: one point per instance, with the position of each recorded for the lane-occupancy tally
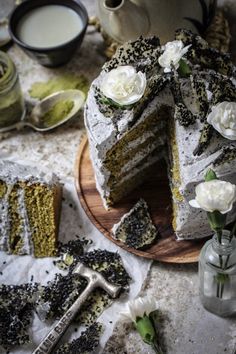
(217, 274)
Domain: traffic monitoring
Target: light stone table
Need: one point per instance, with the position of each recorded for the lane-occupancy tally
(185, 327)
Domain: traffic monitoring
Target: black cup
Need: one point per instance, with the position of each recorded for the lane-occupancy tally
(53, 56)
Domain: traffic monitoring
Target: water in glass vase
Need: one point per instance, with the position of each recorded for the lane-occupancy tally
(217, 273)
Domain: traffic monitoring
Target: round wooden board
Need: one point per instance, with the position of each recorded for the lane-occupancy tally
(155, 190)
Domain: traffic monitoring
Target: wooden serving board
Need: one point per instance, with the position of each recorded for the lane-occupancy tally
(155, 190)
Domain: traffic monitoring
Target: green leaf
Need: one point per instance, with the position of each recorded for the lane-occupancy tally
(110, 102)
(184, 69)
(210, 175)
(216, 219)
(146, 330)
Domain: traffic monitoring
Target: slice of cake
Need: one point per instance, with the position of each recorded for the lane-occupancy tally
(126, 141)
(169, 119)
(29, 210)
(136, 228)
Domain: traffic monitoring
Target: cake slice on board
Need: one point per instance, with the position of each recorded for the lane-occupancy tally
(136, 228)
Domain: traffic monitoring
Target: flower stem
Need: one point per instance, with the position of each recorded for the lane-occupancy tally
(219, 235)
(156, 347)
(218, 290)
(233, 232)
(220, 286)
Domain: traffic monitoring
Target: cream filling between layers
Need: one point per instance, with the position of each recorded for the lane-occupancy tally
(11, 173)
(26, 235)
(103, 175)
(133, 144)
(4, 220)
(5, 223)
(101, 131)
(105, 191)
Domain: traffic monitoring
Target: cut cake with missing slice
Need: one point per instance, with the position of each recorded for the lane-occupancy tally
(169, 120)
(136, 228)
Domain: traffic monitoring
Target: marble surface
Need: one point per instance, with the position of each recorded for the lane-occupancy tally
(185, 327)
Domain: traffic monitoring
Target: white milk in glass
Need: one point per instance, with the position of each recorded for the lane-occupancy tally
(49, 26)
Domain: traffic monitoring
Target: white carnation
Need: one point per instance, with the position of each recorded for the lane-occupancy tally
(223, 119)
(214, 195)
(124, 85)
(173, 52)
(138, 308)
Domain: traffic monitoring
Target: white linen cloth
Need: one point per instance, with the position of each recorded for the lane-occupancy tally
(20, 269)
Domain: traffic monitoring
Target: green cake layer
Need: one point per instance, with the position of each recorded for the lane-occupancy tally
(30, 208)
(118, 155)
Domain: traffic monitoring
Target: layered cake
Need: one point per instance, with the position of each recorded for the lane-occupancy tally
(29, 210)
(176, 101)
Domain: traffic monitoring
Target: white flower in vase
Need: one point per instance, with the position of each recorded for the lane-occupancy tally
(214, 195)
(124, 85)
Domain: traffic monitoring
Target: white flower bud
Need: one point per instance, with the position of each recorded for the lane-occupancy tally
(173, 52)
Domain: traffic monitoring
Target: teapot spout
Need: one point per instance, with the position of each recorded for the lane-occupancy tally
(113, 5)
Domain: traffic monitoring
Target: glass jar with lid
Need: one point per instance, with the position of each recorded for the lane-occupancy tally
(12, 107)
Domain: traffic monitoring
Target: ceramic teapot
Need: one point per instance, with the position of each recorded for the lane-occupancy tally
(128, 19)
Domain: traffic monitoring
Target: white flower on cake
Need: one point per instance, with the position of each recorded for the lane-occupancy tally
(214, 195)
(223, 119)
(173, 52)
(138, 308)
(124, 85)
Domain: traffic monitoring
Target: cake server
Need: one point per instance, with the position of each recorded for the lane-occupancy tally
(95, 280)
